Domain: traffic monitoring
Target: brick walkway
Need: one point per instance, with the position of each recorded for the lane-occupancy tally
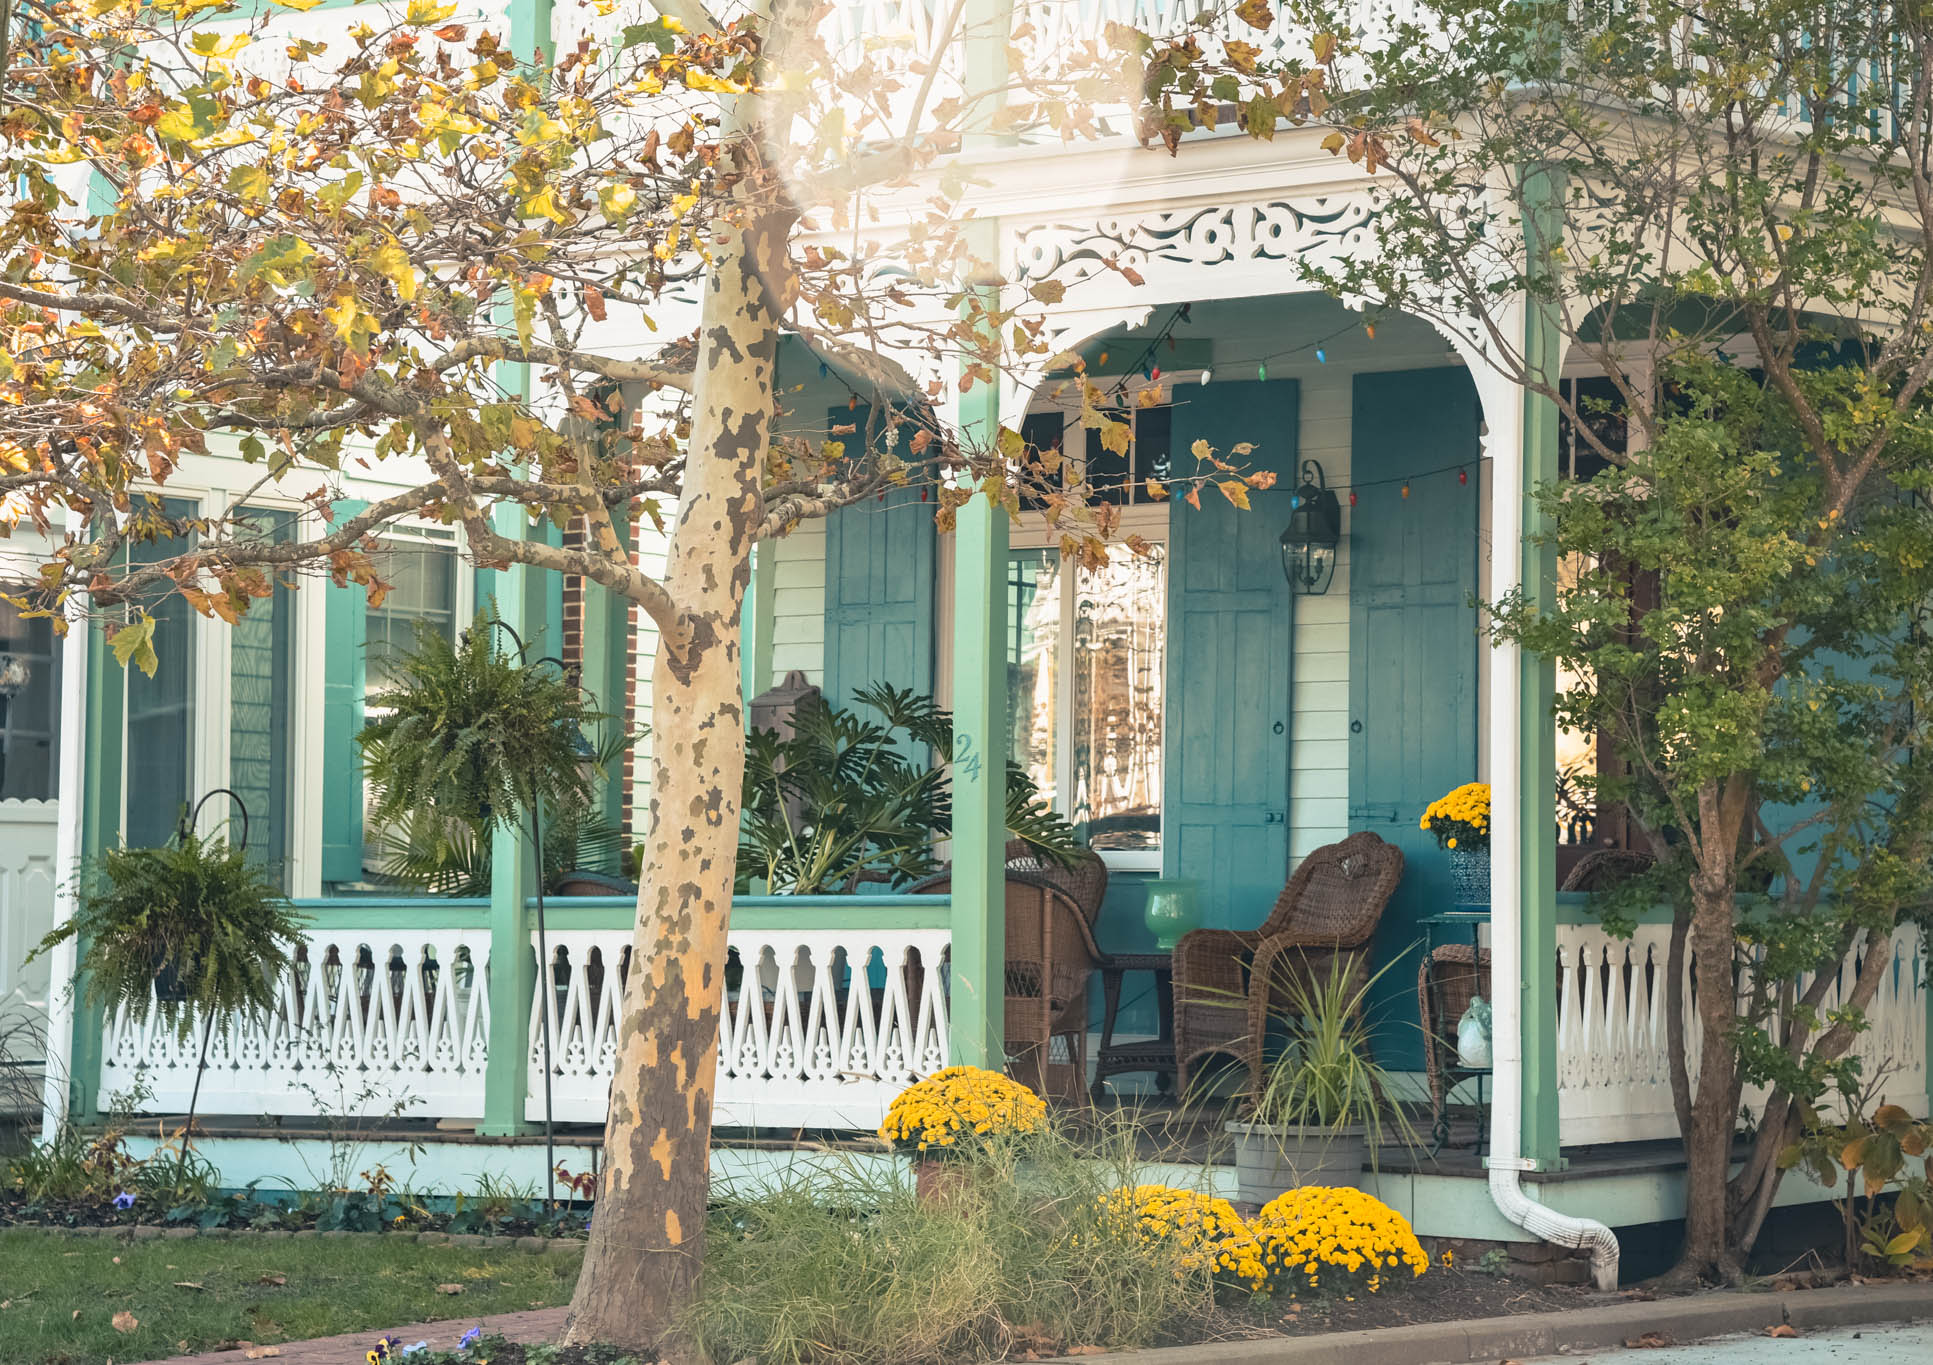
(540, 1324)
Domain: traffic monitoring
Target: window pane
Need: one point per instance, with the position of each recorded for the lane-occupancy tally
(1119, 648)
(29, 685)
(161, 709)
(423, 588)
(1033, 665)
(259, 668)
(1576, 749)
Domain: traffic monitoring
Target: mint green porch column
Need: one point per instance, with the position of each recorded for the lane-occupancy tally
(979, 763)
(513, 881)
(102, 742)
(1543, 350)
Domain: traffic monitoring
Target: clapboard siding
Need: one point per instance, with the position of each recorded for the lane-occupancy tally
(799, 603)
(1319, 757)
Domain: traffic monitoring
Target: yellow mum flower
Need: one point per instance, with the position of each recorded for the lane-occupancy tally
(960, 1099)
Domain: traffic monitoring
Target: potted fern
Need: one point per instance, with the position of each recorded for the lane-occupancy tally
(476, 735)
(193, 928)
(1323, 1106)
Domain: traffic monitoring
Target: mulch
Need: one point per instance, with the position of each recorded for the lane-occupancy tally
(1441, 1295)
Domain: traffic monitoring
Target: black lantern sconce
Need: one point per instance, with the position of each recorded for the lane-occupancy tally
(1314, 531)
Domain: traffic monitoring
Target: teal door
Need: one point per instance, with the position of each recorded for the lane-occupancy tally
(1230, 632)
(1412, 649)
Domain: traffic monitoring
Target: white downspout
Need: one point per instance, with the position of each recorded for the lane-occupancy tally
(67, 851)
(1506, 1161)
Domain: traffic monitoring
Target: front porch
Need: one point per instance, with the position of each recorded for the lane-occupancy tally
(387, 1031)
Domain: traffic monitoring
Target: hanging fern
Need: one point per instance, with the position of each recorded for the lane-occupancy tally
(198, 912)
(474, 734)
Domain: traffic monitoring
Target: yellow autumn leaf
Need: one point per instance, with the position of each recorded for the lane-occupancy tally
(344, 314)
(617, 201)
(304, 6)
(422, 13)
(1235, 491)
(392, 263)
(218, 47)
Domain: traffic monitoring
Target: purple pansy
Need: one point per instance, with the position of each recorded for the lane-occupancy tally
(124, 1200)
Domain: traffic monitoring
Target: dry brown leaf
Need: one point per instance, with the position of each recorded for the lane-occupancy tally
(262, 1352)
(77, 1315)
(273, 1278)
(125, 1321)
(1649, 1341)
(449, 1289)
(1783, 1329)
(189, 1284)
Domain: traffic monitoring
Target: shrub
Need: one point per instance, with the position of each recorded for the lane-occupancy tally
(849, 1267)
(1334, 1238)
(1205, 1232)
(957, 1106)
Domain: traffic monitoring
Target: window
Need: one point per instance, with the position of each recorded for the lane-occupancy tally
(29, 687)
(260, 665)
(421, 568)
(1111, 477)
(161, 709)
(1086, 666)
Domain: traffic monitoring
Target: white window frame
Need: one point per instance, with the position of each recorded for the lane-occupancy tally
(1150, 521)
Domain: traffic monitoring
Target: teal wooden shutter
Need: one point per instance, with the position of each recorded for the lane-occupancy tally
(345, 613)
(1231, 628)
(879, 589)
(1412, 647)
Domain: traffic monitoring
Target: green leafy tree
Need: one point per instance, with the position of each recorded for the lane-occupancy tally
(413, 250)
(1726, 212)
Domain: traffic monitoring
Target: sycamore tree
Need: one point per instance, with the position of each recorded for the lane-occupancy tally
(1725, 214)
(408, 250)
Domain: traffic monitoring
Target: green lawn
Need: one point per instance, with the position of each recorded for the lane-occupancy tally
(59, 1295)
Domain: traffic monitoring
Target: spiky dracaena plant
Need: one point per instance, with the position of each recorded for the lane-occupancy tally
(845, 799)
(197, 911)
(474, 734)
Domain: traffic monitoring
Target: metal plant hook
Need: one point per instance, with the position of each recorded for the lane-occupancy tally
(189, 820)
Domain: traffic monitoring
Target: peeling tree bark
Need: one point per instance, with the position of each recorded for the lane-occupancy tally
(642, 1265)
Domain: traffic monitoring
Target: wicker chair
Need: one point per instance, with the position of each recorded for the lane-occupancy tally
(1446, 982)
(1603, 868)
(1331, 905)
(1085, 882)
(1050, 954)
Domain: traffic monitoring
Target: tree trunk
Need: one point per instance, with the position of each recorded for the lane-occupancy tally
(646, 1247)
(1708, 1141)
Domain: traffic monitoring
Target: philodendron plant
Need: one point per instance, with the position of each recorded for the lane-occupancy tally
(847, 799)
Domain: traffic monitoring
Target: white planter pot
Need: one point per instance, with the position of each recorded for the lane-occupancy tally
(1270, 1159)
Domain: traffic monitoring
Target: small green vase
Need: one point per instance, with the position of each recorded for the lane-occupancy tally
(1173, 909)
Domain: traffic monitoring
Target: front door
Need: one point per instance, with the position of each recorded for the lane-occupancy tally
(1412, 649)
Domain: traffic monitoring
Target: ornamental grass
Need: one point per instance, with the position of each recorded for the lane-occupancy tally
(838, 1262)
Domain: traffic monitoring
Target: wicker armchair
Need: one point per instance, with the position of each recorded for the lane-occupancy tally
(1085, 882)
(1050, 954)
(1332, 904)
(1603, 868)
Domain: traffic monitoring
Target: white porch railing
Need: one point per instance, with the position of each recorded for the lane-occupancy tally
(822, 1026)
(833, 1006)
(364, 1019)
(1613, 1067)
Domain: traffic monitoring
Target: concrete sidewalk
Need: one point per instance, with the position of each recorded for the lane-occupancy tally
(1882, 1345)
(1672, 1322)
